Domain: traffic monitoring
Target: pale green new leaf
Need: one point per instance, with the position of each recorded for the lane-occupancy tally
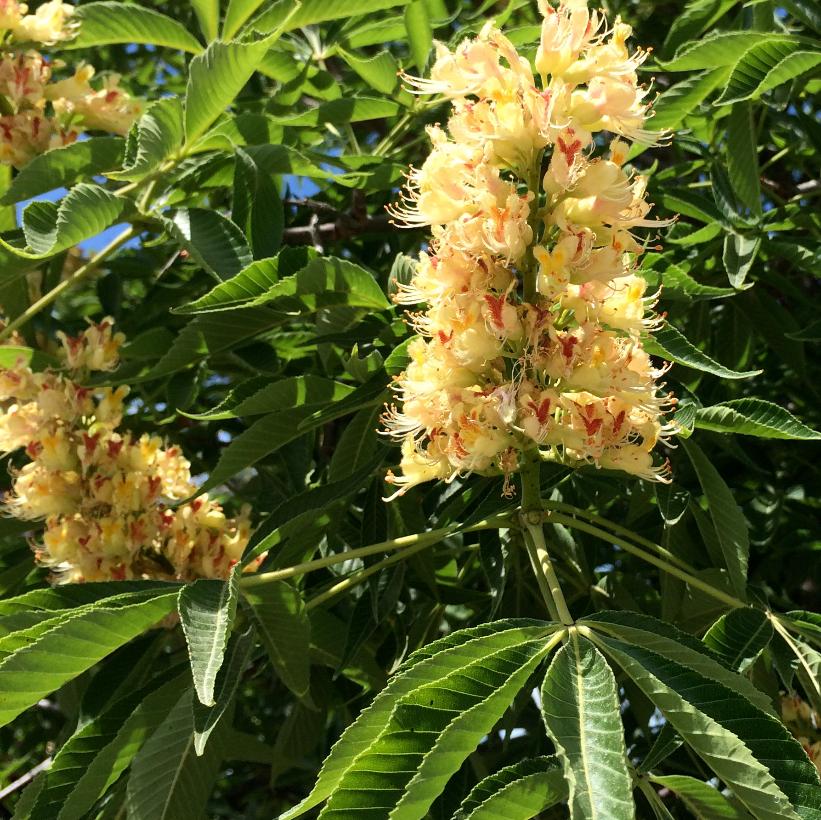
(62, 167)
(766, 65)
(169, 781)
(752, 752)
(719, 48)
(431, 731)
(419, 32)
(154, 137)
(215, 77)
(672, 345)
(754, 417)
(77, 640)
(379, 71)
(207, 609)
(107, 23)
(437, 660)
(729, 521)
(740, 637)
(208, 13)
(580, 707)
(51, 227)
(212, 239)
(517, 792)
(282, 625)
(239, 12)
(704, 801)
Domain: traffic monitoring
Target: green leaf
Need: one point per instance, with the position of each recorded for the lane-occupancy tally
(238, 13)
(697, 17)
(742, 158)
(169, 781)
(672, 643)
(754, 417)
(207, 609)
(719, 48)
(420, 32)
(208, 12)
(215, 77)
(678, 284)
(69, 644)
(738, 256)
(702, 799)
(95, 756)
(580, 707)
(752, 752)
(807, 623)
(62, 167)
(729, 521)
(251, 284)
(257, 206)
(12, 355)
(282, 624)
(431, 730)
(51, 227)
(212, 239)
(108, 23)
(765, 66)
(517, 792)
(317, 11)
(672, 345)
(379, 71)
(230, 675)
(155, 136)
(341, 111)
(438, 660)
(740, 637)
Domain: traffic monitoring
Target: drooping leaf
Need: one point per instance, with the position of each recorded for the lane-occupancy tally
(62, 167)
(155, 136)
(207, 608)
(212, 239)
(517, 792)
(283, 627)
(169, 781)
(740, 636)
(738, 256)
(106, 23)
(208, 12)
(742, 159)
(754, 417)
(672, 345)
(257, 206)
(439, 659)
(580, 707)
(317, 11)
(729, 521)
(419, 32)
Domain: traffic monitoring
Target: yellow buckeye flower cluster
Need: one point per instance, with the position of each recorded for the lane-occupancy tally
(27, 128)
(104, 493)
(805, 725)
(532, 333)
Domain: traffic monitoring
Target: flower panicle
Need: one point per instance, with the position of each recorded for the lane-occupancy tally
(115, 505)
(533, 310)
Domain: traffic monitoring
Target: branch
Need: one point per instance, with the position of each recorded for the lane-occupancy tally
(343, 227)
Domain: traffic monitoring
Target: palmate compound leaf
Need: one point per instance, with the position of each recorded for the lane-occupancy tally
(517, 792)
(69, 644)
(207, 609)
(749, 750)
(580, 707)
(436, 661)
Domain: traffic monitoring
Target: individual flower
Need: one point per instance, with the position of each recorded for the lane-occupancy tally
(534, 314)
(49, 24)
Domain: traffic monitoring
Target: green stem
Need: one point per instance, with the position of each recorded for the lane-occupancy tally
(418, 540)
(356, 578)
(697, 583)
(617, 528)
(531, 516)
(68, 283)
